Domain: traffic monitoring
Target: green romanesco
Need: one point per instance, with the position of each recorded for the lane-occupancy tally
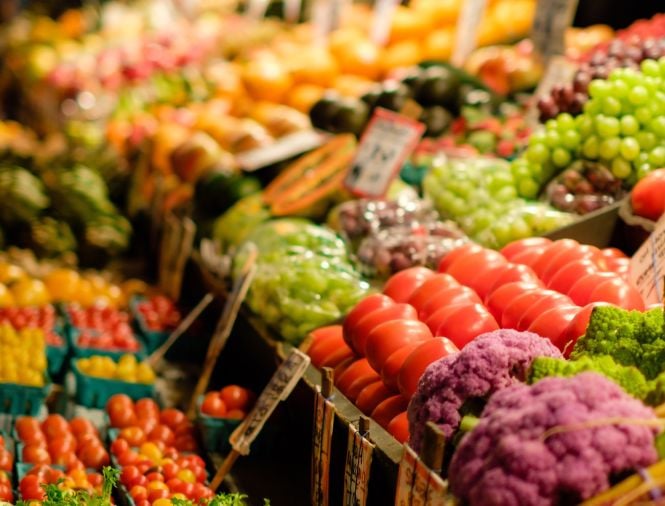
(631, 338)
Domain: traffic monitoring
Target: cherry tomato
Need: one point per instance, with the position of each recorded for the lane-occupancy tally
(213, 405)
(389, 337)
(453, 255)
(647, 195)
(6, 493)
(467, 323)
(378, 317)
(6, 460)
(553, 324)
(578, 325)
(170, 469)
(34, 454)
(399, 427)
(401, 286)
(94, 456)
(172, 417)
(236, 414)
(419, 359)
(359, 369)
(128, 458)
(119, 446)
(360, 310)
(162, 433)
(569, 274)
(511, 274)
(389, 409)
(146, 408)
(30, 489)
(548, 300)
(580, 291)
(391, 367)
(133, 435)
(454, 295)
(185, 444)
(237, 397)
(516, 247)
(429, 288)
(372, 395)
(619, 292)
(79, 426)
(155, 476)
(29, 430)
(121, 411)
(138, 493)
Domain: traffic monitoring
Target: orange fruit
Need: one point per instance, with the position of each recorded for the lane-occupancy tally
(6, 297)
(303, 96)
(356, 55)
(401, 54)
(62, 284)
(266, 79)
(442, 13)
(409, 24)
(352, 86)
(314, 66)
(30, 292)
(10, 273)
(439, 44)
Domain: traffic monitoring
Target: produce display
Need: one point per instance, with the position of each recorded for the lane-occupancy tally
(25, 355)
(127, 368)
(230, 402)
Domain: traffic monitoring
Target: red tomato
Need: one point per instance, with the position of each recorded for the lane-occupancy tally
(389, 409)
(6, 493)
(465, 268)
(467, 323)
(133, 435)
(377, 317)
(54, 426)
(619, 265)
(387, 338)
(619, 292)
(577, 326)
(237, 397)
(416, 363)
(565, 256)
(79, 426)
(339, 356)
(128, 458)
(399, 427)
(454, 295)
(36, 455)
(372, 395)
(429, 288)
(529, 257)
(213, 405)
(94, 456)
(120, 409)
(551, 252)
(6, 460)
(162, 433)
(516, 247)
(119, 401)
(29, 430)
(511, 274)
(581, 290)
(172, 417)
(236, 414)
(612, 253)
(359, 369)
(485, 278)
(146, 408)
(569, 274)
(360, 310)
(359, 385)
(400, 286)
(462, 251)
(647, 195)
(553, 324)
(518, 305)
(59, 445)
(170, 470)
(394, 363)
(323, 334)
(344, 365)
(497, 301)
(30, 488)
(548, 300)
(435, 320)
(4, 478)
(322, 350)
(200, 491)
(138, 493)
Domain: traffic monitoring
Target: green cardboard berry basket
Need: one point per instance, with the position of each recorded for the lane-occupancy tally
(215, 431)
(93, 392)
(56, 356)
(152, 339)
(85, 352)
(18, 399)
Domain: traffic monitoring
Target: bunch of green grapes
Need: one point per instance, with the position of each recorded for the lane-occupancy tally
(622, 126)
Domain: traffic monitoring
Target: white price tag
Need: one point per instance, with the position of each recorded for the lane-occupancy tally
(436, 490)
(552, 19)
(405, 476)
(466, 31)
(387, 141)
(324, 417)
(356, 471)
(278, 389)
(647, 267)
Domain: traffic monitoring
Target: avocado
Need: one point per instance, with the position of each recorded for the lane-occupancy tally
(439, 86)
(414, 78)
(372, 96)
(437, 120)
(323, 111)
(351, 116)
(393, 96)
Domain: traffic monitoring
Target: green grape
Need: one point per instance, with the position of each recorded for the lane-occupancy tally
(506, 194)
(609, 148)
(611, 106)
(538, 153)
(607, 127)
(620, 89)
(643, 169)
(650, 68)
(561, 157)
(565, 122)
(528, 188)
(571, 139)
(519, 229)
(520, 169)
(621, 168)
(599, 88)
(537, 138)
(592, 107)
(630, 148)
(646, 140)
(629, 125)
(584, 125)
(643, 157)
(502, 233)
(551, 124)
(552, 139)
(657, 126)
(638, 95)
(500, 179)
(657, 157)
(590, 148)
(643, 115)
(661, 64)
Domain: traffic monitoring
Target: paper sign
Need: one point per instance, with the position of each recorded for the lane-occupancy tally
(467, 30)
(324, 416)
(436, 490)
(387, 141)
(381, 23)
(278, 389)
(420, 484)
(552, 19)
(405, 476)
(356, 471)
(283, 149)
(647, 267)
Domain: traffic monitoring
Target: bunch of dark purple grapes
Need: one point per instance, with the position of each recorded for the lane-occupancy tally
(583, 188)
(619, 53)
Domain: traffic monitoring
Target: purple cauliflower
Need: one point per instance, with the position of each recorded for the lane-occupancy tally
(489, 363)
(509, 458)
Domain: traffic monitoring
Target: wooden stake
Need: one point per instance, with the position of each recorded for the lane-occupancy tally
(363, 426)
(225, 325)
(433, 447)
(327, 376)
(224, 469)
(159, 353)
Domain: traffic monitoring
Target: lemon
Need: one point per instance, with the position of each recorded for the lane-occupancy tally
(62, 284)
(144, 373)
(6, 297)
(10, 273)
(30, 292)
(84, 365)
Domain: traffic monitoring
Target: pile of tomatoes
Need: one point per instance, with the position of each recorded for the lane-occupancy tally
(231, 402)
(103, 328)
(6, 465)
(159, 313)
(73, 445)
(154, 448)
(31, 485)
(388, 340)
(41, 317)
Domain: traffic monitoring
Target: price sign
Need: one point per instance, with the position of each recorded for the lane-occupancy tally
(388, 139)
(436, 491)
(551, 20)
(356, 471)
(466, 31)
(405, 477)
(383, 16)
(324, 416)
(647, 267)
(418, 484)
(278, 389)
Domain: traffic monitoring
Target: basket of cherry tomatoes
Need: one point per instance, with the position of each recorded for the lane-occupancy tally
(221, 412)
(155, 318)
